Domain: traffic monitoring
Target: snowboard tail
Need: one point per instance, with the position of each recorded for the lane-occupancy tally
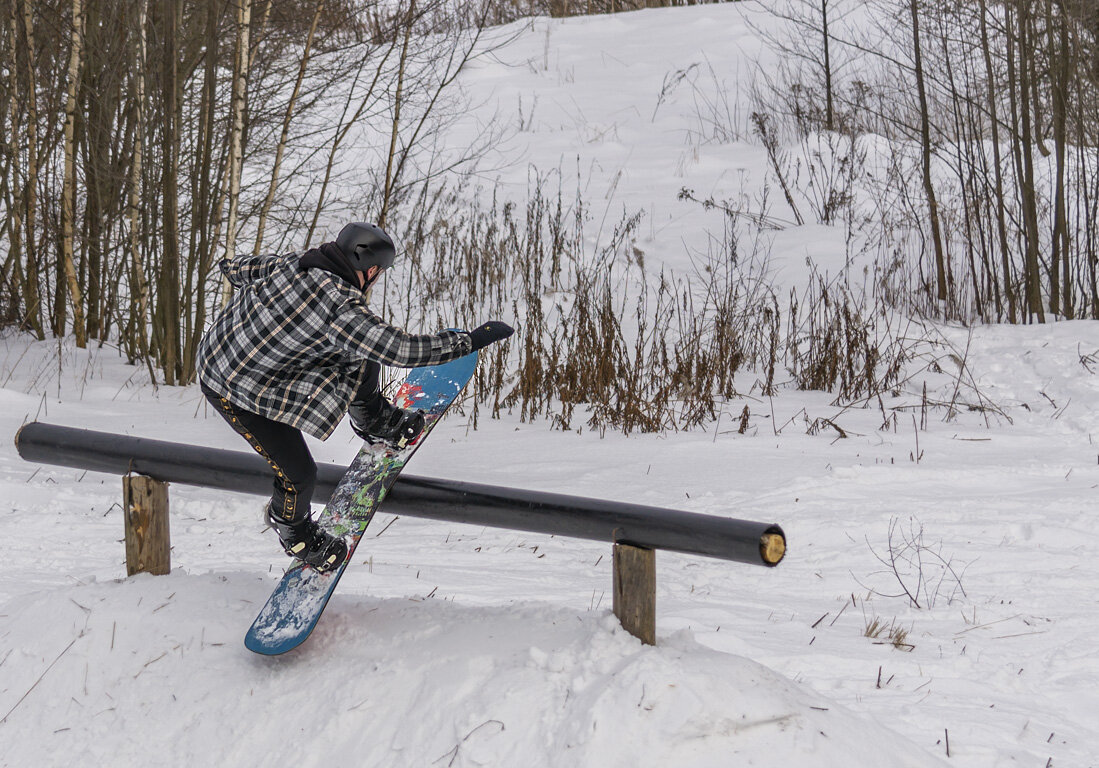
(299, 599)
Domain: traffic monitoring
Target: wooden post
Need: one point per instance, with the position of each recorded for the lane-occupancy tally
(145, 506)
(635, 591)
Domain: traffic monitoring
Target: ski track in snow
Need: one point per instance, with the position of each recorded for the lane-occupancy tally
(458, 646)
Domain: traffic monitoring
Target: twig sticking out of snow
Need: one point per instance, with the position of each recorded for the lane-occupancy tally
(36, 682)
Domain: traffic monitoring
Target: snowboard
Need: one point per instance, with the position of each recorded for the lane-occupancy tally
(299, 599)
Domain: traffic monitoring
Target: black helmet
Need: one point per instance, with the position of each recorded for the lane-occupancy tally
(366, 246)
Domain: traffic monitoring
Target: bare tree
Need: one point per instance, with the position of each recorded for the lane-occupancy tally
(68, 187)
(166, 332)
(808, 36)
(402, 64)
(941, 275)
(184, 125)
(992, 100)
(236, 136)
(32, 299)
(286, 123)
(1004, 124)
(139, 290)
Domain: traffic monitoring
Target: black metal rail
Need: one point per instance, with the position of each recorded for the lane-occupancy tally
(459, 502)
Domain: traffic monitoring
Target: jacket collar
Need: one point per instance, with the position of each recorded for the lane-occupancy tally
(330, 258)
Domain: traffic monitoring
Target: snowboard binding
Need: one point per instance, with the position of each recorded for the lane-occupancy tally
(396, 427)
(310, 543)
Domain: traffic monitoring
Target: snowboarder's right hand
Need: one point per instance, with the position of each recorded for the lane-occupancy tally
(489, 332)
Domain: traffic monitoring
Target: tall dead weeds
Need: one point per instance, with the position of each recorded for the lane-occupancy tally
(601, 341)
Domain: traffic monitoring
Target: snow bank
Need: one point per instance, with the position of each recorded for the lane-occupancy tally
(152, 670)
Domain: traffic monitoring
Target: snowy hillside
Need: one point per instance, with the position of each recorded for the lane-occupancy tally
(450, 645)
(625, 111)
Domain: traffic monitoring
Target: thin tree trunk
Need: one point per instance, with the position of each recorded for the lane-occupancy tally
(68, 190)
(342, 129)
(1026, 141)
(204, 191)
(998, 202)
(943, 292)
(1060, 67)
(260, 31)
(965, 165)
(413, 137)
(1055, 256)
(830, 115)
(236, 134)
(388, 190)
(12, 199)
(97, 125)
(32, 292)
(285, 133)
(139, 287)
(167, 319)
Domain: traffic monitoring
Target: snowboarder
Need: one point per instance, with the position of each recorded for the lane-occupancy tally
(296, 348)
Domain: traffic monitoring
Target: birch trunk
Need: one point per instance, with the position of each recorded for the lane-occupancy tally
(68, 191)
(236, 134)
(139, 287)
(167, 321)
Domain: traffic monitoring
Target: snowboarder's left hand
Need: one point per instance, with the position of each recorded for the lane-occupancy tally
(489, 332)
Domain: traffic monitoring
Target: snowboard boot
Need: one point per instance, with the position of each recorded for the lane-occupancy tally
(389, 424)
(310, 543)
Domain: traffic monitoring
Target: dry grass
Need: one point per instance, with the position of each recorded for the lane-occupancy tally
(883, 633)
(605, 342)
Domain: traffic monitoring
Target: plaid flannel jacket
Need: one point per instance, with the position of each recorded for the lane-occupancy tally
(292, 343)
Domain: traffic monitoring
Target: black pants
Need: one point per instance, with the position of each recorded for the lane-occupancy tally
(285, 450)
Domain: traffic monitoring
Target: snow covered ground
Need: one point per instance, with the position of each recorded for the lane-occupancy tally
(452, 645)
(449, 644)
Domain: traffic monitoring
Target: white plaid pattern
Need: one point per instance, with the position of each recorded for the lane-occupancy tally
(293, 342)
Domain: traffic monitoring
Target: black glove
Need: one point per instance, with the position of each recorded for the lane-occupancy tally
(489, 332)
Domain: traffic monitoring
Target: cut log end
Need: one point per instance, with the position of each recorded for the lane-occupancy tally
(772, 547)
